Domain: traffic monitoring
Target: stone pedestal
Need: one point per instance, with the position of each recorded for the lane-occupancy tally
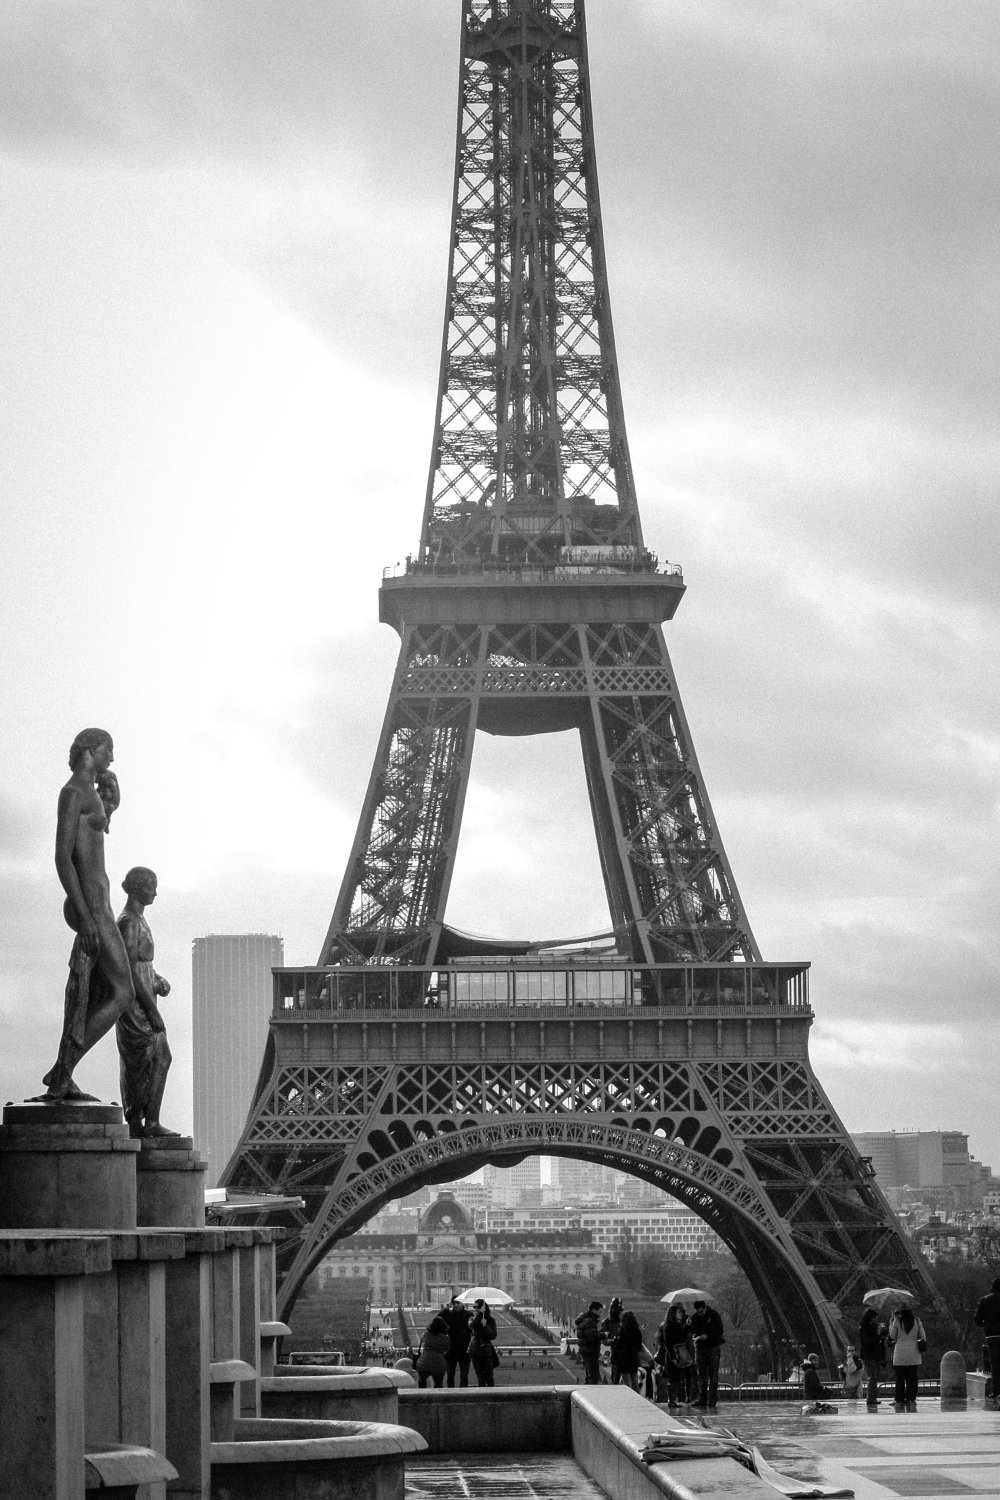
(170, 1183)
(66, 1166)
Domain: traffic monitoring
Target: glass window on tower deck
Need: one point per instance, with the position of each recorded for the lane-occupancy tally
(503, 984)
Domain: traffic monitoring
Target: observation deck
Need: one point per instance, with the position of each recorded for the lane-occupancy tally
(523, 987)
(588, 585)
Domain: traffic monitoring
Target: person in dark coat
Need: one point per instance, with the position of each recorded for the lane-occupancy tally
(871, 1348)
(610, 1326)
(709, 1336)
(588, 1334)
(675, 1355)
(431, 1356)
(988, 1319)
(812, 1387)
(459, 1321)
(626, 1347)
(484, 1332)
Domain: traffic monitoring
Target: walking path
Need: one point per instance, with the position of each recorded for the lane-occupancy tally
(929, 1453)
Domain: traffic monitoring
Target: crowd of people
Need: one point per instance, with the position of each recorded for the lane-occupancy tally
(682, 1369)
(456, 1340)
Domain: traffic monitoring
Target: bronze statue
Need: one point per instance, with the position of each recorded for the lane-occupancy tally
(100, 985)
(142, 1040)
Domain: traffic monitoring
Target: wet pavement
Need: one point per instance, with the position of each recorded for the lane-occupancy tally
(926, 1453)
(498, 1476)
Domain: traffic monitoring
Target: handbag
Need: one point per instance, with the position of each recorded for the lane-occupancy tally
(494, 1356)
(921, 1346)
(681, 1356)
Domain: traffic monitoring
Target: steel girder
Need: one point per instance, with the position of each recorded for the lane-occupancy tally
(726, 1116)
(670, 889)
(530, 450)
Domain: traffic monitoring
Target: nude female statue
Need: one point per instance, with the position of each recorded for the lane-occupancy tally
(100, 985)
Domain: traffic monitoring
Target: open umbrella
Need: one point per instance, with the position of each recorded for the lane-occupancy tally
(685, 1294)
(491, 1294)
(882, 1297)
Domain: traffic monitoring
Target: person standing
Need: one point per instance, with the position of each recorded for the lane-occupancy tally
(610, 1327)
(675, 1354)
(458, 1318)
(625, 1351)
(987, 1318)
(709, 1336)
(431, 1355)
(906, 1333)
(871, 1347)
(588, 1334)
(483, 1337)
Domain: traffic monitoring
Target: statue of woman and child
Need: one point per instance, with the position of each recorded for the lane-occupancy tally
(112, 981)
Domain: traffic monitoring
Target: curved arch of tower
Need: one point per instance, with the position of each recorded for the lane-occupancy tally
(411, 1053)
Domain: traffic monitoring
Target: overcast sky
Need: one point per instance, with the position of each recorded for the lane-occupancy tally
(221, 290)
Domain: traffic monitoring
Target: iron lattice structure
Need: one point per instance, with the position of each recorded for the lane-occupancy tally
(412, 1054)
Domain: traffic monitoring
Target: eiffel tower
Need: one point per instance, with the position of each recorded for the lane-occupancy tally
(414, 1054)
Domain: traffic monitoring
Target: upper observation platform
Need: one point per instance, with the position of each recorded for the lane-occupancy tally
(582, 585)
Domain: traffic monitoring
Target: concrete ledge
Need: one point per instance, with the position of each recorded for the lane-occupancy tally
(357, 1396)
(58, 1254)
(295, 1460)
(115, 1466)
(508, 1419)
(261, 1440)
(610, 1425)
(230, 1371)
(325, 1377)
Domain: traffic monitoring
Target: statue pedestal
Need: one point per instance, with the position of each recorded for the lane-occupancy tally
(170, 1183)
(66, 1166)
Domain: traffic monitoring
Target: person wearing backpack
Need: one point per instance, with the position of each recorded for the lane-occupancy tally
(588, 1334)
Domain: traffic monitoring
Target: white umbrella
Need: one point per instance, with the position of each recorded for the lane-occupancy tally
(685, 1294)
(882, 1297)
(491, 1294)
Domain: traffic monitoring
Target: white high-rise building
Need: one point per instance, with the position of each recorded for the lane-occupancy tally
(231, 1006)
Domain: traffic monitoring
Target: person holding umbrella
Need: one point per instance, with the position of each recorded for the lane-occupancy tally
(484, 1332)
(675, 1355)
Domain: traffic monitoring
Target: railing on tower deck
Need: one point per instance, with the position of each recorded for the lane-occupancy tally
(492, 987)
(535, 572)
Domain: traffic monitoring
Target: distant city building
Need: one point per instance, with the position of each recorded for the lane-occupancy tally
(935, 1160)
(574, 1181)
(448, 1253)
(668, 1226)
(515, 1185)
(231, 1008)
